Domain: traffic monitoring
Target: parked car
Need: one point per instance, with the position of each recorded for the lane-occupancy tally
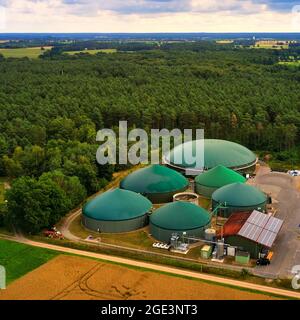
(294, 173)
(263, 262)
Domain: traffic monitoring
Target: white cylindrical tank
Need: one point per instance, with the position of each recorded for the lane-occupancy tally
(187, 197)
(210, 234)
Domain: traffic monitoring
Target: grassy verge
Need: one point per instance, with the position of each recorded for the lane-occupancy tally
(19, 259)
(283, 166)
(141, 256)
(5, 231)
(138, 239)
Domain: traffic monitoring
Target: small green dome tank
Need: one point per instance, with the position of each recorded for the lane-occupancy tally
(239, 197)
(209, 181)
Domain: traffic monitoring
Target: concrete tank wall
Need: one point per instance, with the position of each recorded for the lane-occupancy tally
(164, 235)
(162, 197)
(231, 209)
(115, 226)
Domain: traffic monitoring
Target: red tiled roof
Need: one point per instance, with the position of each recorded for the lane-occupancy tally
(234, 224)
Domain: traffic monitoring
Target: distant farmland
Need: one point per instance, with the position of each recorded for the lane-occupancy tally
(291, 63)
(31, 53)
(270, 46)
(95, 51)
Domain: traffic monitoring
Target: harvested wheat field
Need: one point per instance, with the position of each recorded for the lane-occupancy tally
(69, 277)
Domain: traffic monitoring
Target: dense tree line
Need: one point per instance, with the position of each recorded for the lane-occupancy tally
(34, 204)
(51, 109)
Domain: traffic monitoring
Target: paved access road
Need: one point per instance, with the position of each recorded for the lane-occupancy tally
(155, 267)
(287, 245)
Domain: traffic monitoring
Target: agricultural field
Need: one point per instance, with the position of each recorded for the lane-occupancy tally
(224, 41)
(19, 259)
(31, 53)
(69, 277)
(291, 63)
(92, 51)
(270, 46)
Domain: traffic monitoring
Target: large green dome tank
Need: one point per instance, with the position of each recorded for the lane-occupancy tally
(157, 183)
(179, 217)
(116, 211)
(216, 152)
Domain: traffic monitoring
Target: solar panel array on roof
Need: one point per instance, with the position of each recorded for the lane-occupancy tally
(274, 225)
(267, 238)
(250, 231)
(258, 218)
(261, 228)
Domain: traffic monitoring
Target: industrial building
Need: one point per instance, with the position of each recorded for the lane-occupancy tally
(251, 232)
(216, 152)
(182, 218)
(238, 197)
(116, 211)
(157, 183)
(208, 182)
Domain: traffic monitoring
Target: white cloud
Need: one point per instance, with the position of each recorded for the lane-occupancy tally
(132, 16)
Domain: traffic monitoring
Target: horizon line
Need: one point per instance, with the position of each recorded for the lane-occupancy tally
(169, 32)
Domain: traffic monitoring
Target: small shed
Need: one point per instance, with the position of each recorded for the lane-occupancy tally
(242, 257)
(206, 251)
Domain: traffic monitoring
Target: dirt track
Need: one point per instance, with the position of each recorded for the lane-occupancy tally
(161, 268)
(69, 277)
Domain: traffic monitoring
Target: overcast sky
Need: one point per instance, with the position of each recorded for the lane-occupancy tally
(149, 16)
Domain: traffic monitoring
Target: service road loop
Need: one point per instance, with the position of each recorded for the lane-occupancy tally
(161, 268)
